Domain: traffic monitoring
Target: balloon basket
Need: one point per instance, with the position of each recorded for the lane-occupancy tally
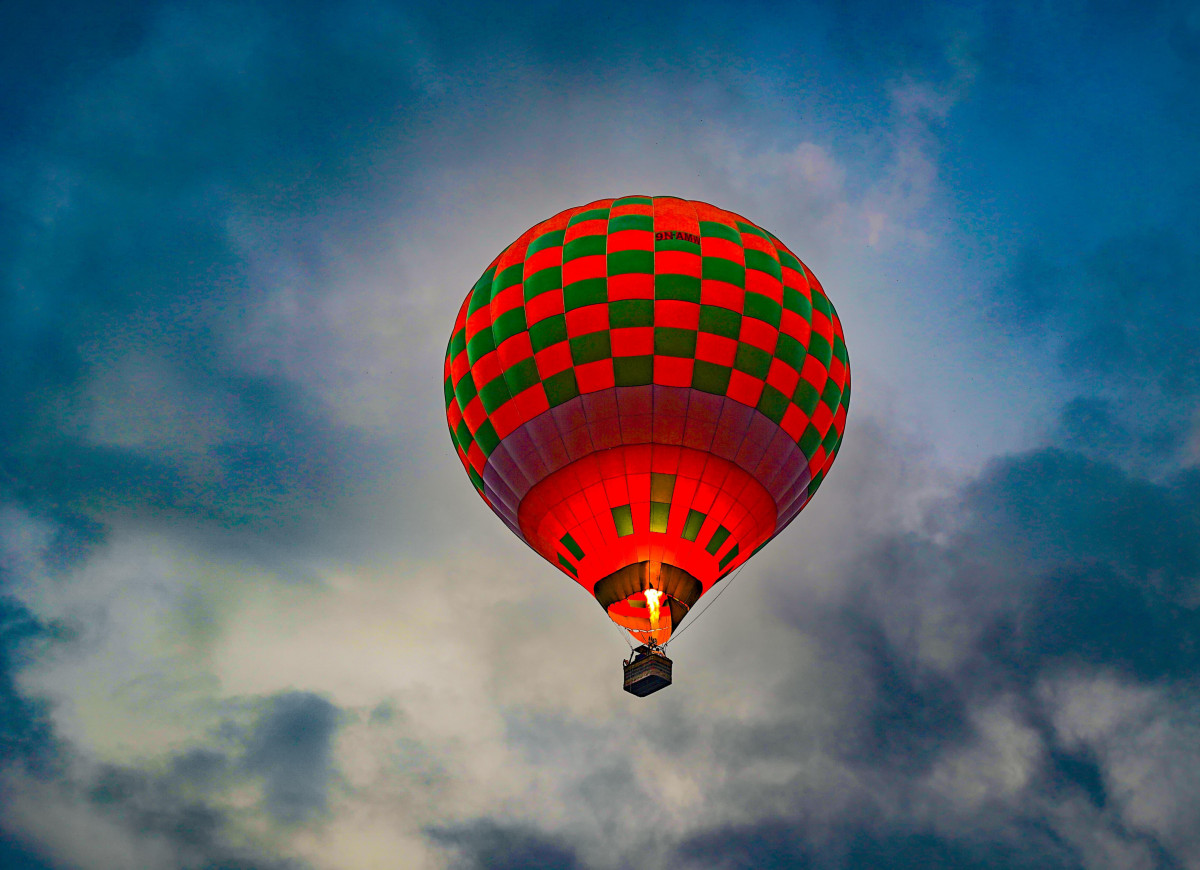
(648, 671)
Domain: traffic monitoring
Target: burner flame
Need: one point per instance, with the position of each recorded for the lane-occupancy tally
(654, 602)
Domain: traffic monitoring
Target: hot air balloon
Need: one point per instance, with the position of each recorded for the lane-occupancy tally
(646, 390)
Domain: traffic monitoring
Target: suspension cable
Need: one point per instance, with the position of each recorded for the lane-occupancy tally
(671, 639)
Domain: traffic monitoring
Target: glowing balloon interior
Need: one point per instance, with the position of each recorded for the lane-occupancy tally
(646, 390)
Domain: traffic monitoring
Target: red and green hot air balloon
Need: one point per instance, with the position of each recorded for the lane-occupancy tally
(646, 390)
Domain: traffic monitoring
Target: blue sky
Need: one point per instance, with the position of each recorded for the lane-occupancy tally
(251, 612)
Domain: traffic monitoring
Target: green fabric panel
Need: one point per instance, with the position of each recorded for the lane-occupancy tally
(448, 388)
(481, 345)
(763, 308)
(669, 341)
(831, 395)
(494, 393)
(590, 291)
(815, 484)
(623, 518)
(718, 230)
(790, 351)
(510, 277)
(465, 390)
(658, 516)
(752, 230)
(718, 538)
(819, 347)
(794, 300)
(691, 528)
(806, 397)
(543, 282)
(591, 347)
(458, 343)
(481, 293)
(551, 239)
(683, 287)
(786, 259)
(710, 378)
(633, 371)
(752, 360)
(831, 439)
(592, 214)
(839, 349)
(521, 376)
(562, 560)
(476, 480)
(773, 403)
(462, 435)
(584, 246)
(662, 486)
(508, 324)
(632, 200)
(570, 543)
(561, 387)
(763, 262)
(549, 332)
(630, 312)
(810, 440)
(720, 269)
(622, 222)
(720, 321)
(486, 437)
(821, 302)
(728, 557)
(631, 263)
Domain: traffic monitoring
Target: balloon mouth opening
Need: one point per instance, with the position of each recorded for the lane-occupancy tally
(648, 599)
(648, 615)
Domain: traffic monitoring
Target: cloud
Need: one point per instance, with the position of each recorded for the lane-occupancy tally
(292, 747)
(485, 844)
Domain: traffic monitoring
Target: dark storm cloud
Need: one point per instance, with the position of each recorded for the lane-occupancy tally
(26, 734)
(291, 747)
(120, 270)
(487, 845)
(172, 807)
(778, 845)
(14, 856)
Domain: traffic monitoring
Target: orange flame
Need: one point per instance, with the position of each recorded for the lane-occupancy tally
(654, 600)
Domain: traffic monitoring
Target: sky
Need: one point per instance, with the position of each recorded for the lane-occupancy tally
(252, 614)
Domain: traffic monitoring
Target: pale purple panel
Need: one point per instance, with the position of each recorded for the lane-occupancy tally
(503, 472)
(570, 415)
(758, 436)
(671, 401)
(601, 405)
(705, 406)
(513, 526)
(605, 432)
(698, 433)
(579, 443)
(635, 400)
(668, 429)
(573, 426)
(670, 414)
(636, 428)
(796, 495)
(548, 441)
(790, 514)
(524, 452)
(498, 491)
(731, 428)
(782, 457)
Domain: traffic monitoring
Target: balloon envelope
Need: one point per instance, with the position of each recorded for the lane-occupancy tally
(646, 390)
